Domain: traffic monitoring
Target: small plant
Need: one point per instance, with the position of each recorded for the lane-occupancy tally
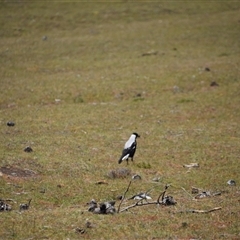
(144, 165)
(78, 99)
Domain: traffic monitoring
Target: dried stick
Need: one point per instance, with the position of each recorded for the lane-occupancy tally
(140, 203)
(162, 194)
(201, 211)
(124, 196)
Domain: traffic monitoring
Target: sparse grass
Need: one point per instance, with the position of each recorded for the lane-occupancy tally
(77, 96)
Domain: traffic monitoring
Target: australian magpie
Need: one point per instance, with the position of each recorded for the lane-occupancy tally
(129, 148)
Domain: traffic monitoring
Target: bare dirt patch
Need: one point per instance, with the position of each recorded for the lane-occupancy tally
(12, 171)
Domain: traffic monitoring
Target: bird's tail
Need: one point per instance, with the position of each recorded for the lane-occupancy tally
(120, 160)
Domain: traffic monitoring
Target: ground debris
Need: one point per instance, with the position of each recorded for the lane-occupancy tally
(28, 149)
(10, 124)
(199, 211)
(13, 171)
(156, 179)
(203, 194)
(101, 208)
(101, 182)
(161, 200)
(214, 84)
(80, 230)
(25, 206)
(119, 173)
(141, 196)
(4, 206)
(149, 53)
(168, 200)
(231, 182)
(83, 230)
(136, 177)
(191, 165)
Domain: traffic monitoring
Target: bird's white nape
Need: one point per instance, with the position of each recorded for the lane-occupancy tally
(130, 141)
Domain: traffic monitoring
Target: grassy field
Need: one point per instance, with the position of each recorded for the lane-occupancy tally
(78, 78)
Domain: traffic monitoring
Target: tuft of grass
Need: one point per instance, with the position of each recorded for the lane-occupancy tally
(119, 173)
(144, 165)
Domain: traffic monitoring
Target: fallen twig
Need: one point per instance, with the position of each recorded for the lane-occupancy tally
(162, 194)
(138, 204)
(150, 53)
(168, 200)
(124, 195)
(200, 211)
(191, 165)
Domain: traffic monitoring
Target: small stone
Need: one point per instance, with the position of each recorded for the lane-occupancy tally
(168, 200)
(10, 124)
(44, 38)
(28, 149)
(88, 224)
(136, 177)
(231, 182)
(80, 230)
(156, 179)
(195, 190)
(184, 224)
(25, 206)
(92, 205)
(203, 194)
(176, 89)
(214, 84)
(4, 206)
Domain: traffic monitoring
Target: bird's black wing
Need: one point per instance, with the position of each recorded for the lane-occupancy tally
(128, 152)
(132, 149)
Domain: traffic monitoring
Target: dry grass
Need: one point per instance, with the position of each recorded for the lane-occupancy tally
(76, 96)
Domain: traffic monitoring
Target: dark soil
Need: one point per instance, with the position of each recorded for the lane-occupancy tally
(17, 172)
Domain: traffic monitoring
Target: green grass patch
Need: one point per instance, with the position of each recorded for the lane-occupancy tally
(78, 78)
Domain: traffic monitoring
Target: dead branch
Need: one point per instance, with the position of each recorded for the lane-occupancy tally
(200, 211)
(139, 203)
(162, 194)
(124, 195)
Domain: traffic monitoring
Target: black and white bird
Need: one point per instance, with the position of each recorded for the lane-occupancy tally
(129, 148)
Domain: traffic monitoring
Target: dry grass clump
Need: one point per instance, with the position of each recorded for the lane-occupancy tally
(119, 173)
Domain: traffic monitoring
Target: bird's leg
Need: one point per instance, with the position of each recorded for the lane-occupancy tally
(127, 161)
